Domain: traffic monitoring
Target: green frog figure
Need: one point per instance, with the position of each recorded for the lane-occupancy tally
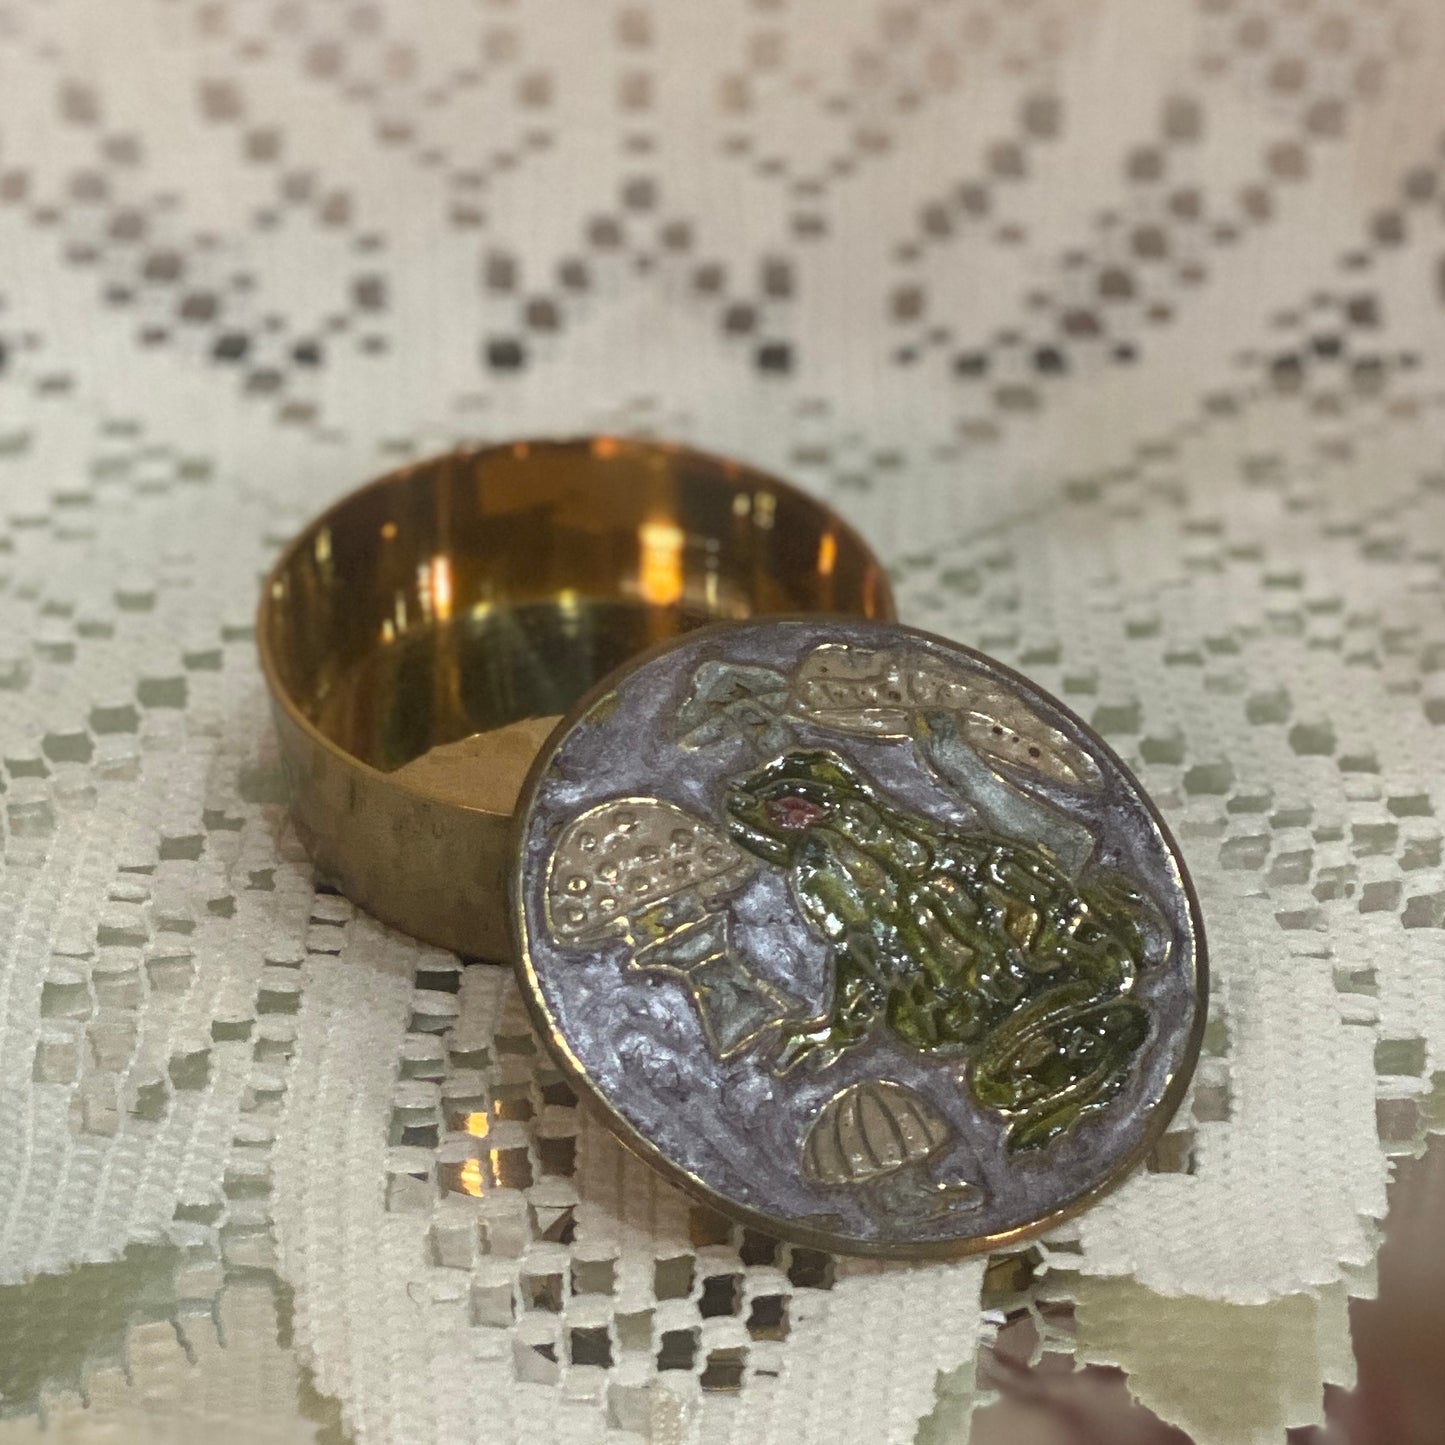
(966, 945)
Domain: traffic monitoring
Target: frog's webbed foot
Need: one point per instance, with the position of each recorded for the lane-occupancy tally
(797, 1044)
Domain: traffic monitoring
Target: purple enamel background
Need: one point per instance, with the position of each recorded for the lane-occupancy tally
(731, 1125)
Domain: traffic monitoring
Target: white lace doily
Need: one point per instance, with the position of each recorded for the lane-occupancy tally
(1115, 324)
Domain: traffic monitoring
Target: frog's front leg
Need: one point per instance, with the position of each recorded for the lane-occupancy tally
(793, 1044)
(861, 980)
(838, 887)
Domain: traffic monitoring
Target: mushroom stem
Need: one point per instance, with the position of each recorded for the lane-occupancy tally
(734, 1005)
(1003, 807)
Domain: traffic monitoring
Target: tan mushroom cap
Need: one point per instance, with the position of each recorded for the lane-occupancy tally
(880, 693)
(871, 1129)
(623, 857)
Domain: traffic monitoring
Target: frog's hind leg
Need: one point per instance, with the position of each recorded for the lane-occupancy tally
(1056, 1061)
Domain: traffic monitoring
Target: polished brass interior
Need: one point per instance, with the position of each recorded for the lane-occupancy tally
(481, 588)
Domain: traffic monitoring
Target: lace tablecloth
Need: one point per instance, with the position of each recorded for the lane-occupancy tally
(1115, 324)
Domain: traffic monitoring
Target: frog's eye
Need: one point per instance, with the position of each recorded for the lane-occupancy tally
(791, 813)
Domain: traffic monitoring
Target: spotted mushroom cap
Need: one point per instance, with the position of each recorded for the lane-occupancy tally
(623, 857)
(871, 1129)
(881, 694)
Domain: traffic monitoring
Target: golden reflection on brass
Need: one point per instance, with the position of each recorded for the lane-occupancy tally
(470, 1180)
(480, 589)
(510, 1168)
(660, 577)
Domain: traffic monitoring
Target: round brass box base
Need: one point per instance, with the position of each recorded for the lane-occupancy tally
(472, 592)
